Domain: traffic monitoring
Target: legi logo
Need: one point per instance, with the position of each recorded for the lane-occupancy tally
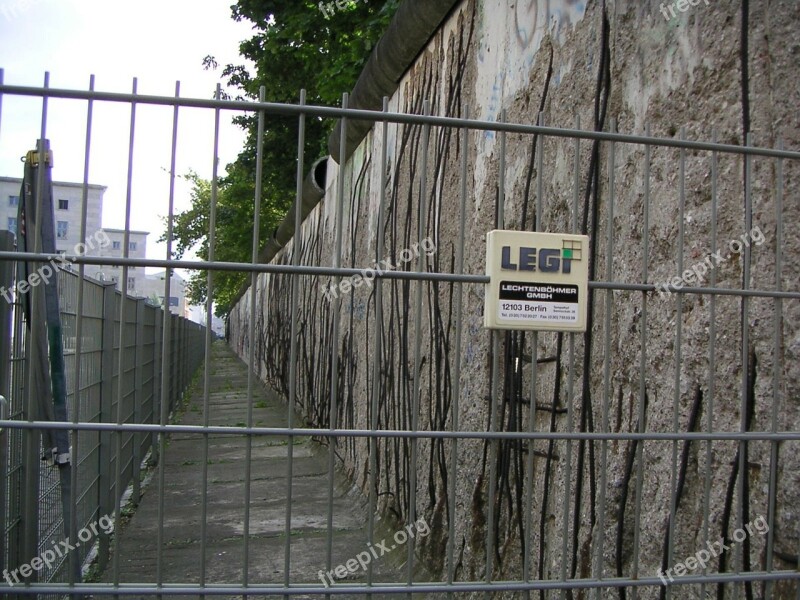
(551, 260)
(538, 281)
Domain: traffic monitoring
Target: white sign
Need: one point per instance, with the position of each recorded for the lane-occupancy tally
(538, 281)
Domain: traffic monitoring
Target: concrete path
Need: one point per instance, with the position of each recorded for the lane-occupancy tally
(224, 558)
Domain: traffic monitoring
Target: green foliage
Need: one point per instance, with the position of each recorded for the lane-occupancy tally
(295, 46)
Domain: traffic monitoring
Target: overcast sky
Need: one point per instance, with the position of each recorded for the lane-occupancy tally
(157, 42)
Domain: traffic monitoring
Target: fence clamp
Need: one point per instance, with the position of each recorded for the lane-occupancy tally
(3, 411)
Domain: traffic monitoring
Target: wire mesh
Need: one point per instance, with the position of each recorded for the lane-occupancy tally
(538, 458)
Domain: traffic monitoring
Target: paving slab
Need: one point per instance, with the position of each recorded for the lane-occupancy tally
(181, 549)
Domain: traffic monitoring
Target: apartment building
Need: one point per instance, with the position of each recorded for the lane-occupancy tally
(152, 287)
(68, 213)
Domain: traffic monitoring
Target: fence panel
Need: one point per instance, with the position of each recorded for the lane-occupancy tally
(595, 464)
(96, 393)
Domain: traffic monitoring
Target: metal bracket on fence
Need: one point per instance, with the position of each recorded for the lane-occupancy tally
(3, 411)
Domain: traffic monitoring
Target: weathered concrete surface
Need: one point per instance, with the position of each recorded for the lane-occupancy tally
(224, 558)
(619, 60)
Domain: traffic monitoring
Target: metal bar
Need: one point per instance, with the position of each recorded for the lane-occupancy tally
(712, 359)
(74, 564)
(574, 219)
(652, 436)
(776, 372)
(422, 225)
(745, 353)
(604, 423)
(496, 383)
(412, 275)
(6, 314)
(134, 589)
(529, 459)
(34, 361)
(676, 398)
(375, 115)
(248, 466)
(138, 399)
(297, 248)
(166, 352)
(337, 261)
(456, 408)
(158, 352)
(642, 408)
(376, 344)
(104, 502)
(212, 243)
(123, 282)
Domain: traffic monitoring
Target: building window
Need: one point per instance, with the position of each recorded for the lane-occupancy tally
(131, 245)
(63, 205)
(116, 245)
(131, 283)
(13, 200)
(61, 230)
(12, 225)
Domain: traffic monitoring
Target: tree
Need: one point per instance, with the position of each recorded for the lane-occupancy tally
(297, 45)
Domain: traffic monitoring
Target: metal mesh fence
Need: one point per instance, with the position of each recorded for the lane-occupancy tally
(565, 464)
(94, 354)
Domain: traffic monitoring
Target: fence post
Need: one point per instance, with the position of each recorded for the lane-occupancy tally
(105, 451)
(138, 398)
(184, 349)
(173, 363)
(158, 321)
(6, 311)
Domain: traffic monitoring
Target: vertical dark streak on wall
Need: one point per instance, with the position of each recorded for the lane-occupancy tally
(623, 499)
(510, 458)
(394, 410)
(556, 402)
(694, 417)
(750, 371)
(745, 70)
(731, 489)
(534, 140)
(348, 407)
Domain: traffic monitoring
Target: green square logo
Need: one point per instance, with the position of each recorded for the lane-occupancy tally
(572, 250)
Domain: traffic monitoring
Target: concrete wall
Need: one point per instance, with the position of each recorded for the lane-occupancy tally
(674, 75)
